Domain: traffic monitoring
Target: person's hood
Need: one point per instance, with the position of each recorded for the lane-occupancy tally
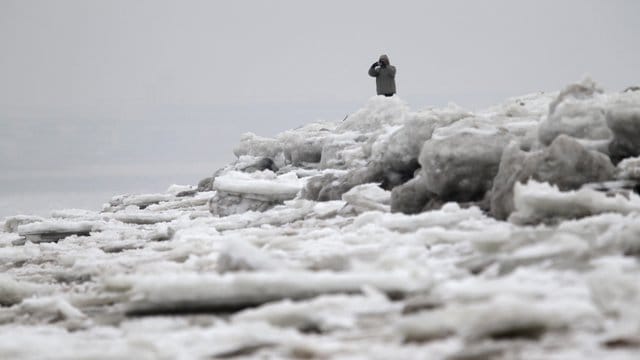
(384, 59)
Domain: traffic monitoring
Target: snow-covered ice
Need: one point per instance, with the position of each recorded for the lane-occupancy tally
(506, 233)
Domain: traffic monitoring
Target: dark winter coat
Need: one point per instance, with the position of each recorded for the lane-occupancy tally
(385, 75)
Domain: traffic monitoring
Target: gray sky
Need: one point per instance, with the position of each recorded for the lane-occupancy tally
(164, 88)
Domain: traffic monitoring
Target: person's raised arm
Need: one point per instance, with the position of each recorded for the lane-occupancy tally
(373, 71)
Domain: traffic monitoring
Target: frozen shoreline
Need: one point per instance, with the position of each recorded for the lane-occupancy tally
(392, 234)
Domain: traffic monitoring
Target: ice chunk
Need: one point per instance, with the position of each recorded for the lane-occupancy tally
(120, 202)
(460, 165)
(254, 145)
(239, 192)
(12, 291)
(225, 204)
(324, 313)
(379, 111)
(502, 316)
(411, 197)
(239, 255)
(331, 187)
(535, 104)
(20, 254)
(176, 189)
(12, 223)
(54, 230)
(399, 155)
(629, 169)
(190, 203)
(565, 163)
(344, 151)
(538, 202)
(264, 185)
(78, 214)
(328, 208)
(51, 308)
(576, 112)
(368, 197)
(624, 122)
(616, 293)
(192, 292)
(142, 217)
(449, 215)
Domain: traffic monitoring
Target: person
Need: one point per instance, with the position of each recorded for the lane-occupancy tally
(385, 75)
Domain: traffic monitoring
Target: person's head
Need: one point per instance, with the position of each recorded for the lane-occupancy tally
(384, 60)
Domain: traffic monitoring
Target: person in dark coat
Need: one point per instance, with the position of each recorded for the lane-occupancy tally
(385, 75)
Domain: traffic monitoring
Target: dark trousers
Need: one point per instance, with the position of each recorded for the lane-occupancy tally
(388, 95)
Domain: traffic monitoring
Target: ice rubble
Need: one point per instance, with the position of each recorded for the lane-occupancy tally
(536, 202)
(442, 233)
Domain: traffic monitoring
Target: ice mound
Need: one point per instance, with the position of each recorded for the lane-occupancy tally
(443, 233)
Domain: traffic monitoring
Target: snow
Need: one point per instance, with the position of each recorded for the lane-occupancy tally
(539, 262)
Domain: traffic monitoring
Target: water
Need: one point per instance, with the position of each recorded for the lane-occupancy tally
(39, 193)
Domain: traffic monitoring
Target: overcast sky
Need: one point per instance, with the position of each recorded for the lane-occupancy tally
(166, 87)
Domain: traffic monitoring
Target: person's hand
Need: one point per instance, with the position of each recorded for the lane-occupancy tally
(375, 64)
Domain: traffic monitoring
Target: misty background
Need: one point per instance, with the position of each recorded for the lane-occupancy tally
(106, 97)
